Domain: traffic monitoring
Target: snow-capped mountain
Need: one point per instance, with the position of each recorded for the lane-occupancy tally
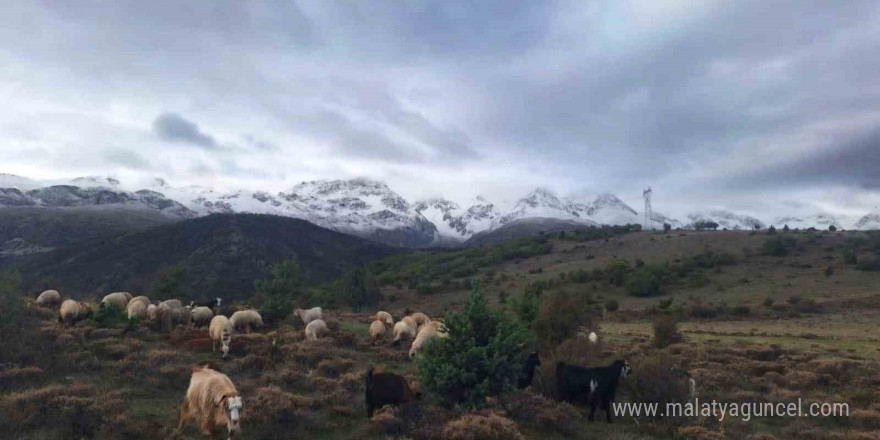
(725, 219)
(869, 221)
(819, 221)
(371, 209)
(87, 192)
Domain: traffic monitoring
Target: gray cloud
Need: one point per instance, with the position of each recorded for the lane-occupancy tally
(126, 158)
(709, 102)
(174, 128)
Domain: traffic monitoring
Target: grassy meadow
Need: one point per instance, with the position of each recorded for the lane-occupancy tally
(756, 322)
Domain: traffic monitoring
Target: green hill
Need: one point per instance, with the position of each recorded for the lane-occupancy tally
(218, 255)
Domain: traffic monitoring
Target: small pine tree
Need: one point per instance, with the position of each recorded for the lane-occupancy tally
(832, 228)
(278, 290)
(785, 228)
(771, 230)
(360, 289)
(481, 357)
(667, 227)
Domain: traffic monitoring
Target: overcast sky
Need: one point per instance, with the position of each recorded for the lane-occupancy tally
(761, 107)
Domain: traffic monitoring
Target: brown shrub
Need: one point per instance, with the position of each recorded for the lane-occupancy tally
(865, 418)
(544, 414)
(14, 377)
(491, 426)
(800, 380)
(162, 357)
(698, 433)
(333, 368)
(665, 331)
(658, 379)
(353, 382)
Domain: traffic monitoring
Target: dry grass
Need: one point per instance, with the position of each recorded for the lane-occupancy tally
(127, 384)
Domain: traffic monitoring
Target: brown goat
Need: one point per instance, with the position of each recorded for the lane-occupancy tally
(211, 401)
(387, 389)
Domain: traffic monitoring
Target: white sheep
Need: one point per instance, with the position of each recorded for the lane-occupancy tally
(116, 299)
(246, 319)
(49, 298)
(152, 312)
(221, 331)
(72, 311)
(211, 400)
(309, 315)
(593, 337)
(384, 317)
(142, 299)
(316, 329)
(429, 331)
(420, 319)
(202, 316)
(173, 303)
(137, 310)
(405, 328)
(377, 331)
(181, 316)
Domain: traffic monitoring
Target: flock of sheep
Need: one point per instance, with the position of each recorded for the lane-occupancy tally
(211, 398)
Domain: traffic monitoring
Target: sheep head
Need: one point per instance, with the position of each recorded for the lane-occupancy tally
(232, 406)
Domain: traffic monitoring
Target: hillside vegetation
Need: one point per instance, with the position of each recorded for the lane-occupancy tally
(217, 255)
(752, 317)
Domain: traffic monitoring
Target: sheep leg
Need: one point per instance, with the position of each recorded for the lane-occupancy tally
(184, 413)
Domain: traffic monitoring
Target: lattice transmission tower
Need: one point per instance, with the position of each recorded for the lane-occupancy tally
(649, 213)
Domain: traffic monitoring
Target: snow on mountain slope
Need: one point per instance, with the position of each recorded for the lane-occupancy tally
(725, 219)
(455, 223)
(869, 221)
(542, 203)
(819, 221)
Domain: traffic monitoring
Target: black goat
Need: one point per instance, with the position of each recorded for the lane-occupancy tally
(590, 385)
(206, 303)
(528, 371)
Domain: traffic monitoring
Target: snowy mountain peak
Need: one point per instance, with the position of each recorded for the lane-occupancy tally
(870, 220)
(726, 219)
(95, 181)
(819, 221)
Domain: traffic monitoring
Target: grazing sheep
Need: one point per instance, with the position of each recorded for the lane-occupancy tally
(202, 316)
(221, 330)
(49, 298)
(528, 371)
(211, 303)
(593, 337)
(590, 385)
(387, 389)
(384, 317)
(402, 329)
(152, 312)
(428, 331)
(211, 401)
(411, 323)
(181, 316)
(246, 319)
(309, 315)
(137, 310)
(116, 299)
(142, 299)
(173, 303)
(420, 319)
(316, 329)
(72, 311)
(377, 331)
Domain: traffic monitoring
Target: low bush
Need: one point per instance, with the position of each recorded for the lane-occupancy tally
(562, 315)
(665, 331)
(491, 426)
(612, 305)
